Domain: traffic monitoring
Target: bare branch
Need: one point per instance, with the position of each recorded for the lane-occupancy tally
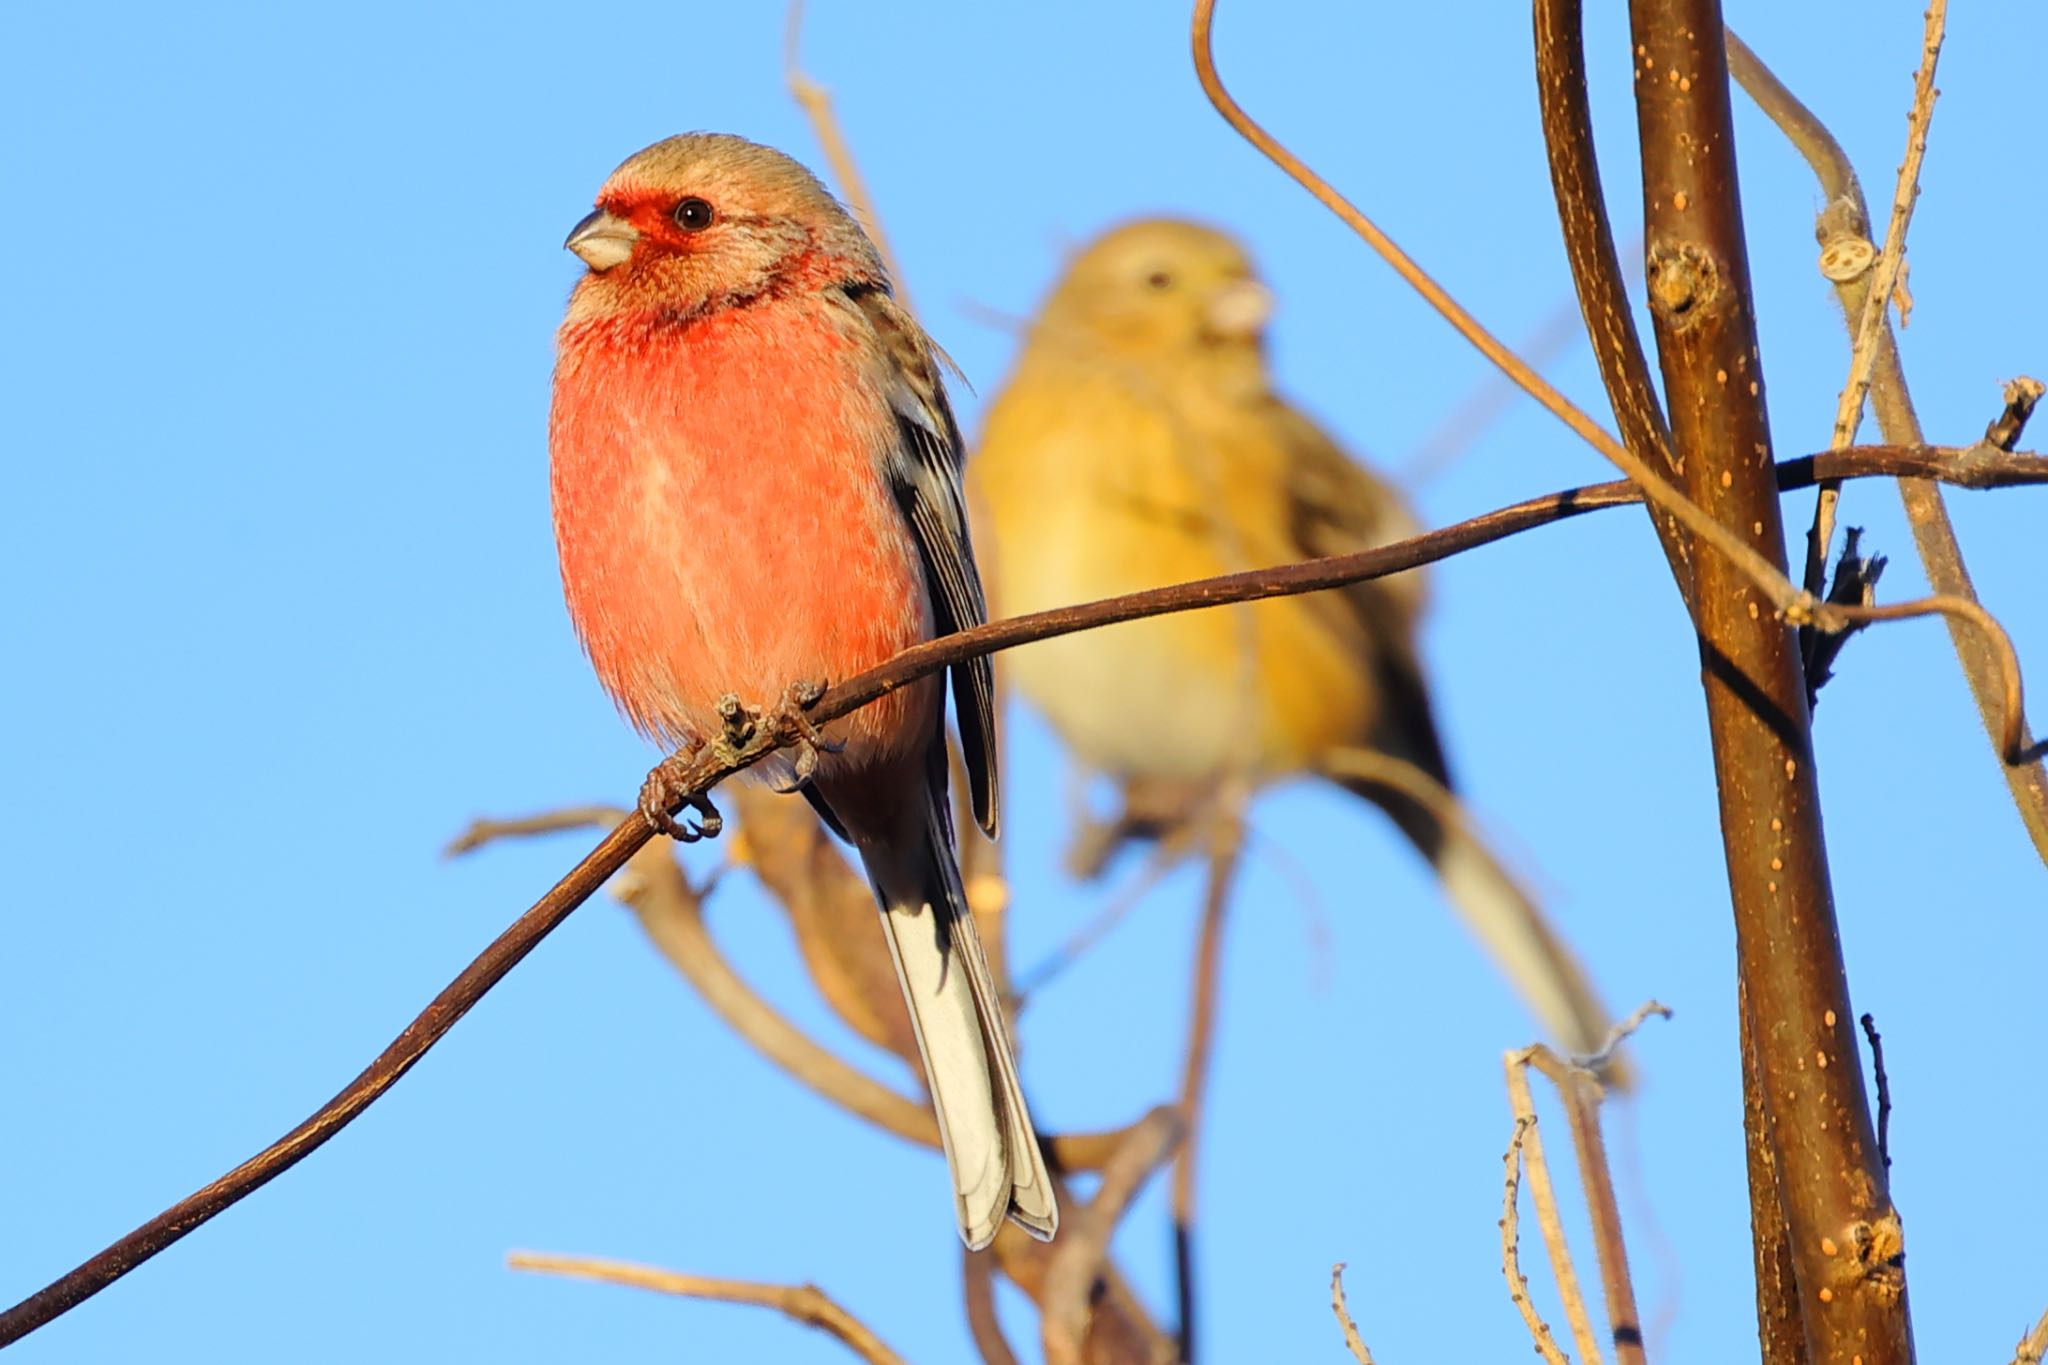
(1884, 1088)
(1530, 1138)
(1226, 843)
(1844, 229)
(805, 1303)
(1870, 330)
(1083, 1248)
(1352, 1341)
(1581, 1092)
(1596, 271)
(1510, 1247)
(1787, 601)
(1788, 945)
(978, 1288)
(1977, 467)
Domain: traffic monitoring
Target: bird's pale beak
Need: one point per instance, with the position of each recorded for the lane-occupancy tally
(602, 240)
(1239, 310)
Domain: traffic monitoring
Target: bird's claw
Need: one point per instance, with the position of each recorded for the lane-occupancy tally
(792, 719)
(667, 791)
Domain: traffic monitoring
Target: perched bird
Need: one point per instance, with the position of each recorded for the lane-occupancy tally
(756, 481)
(1140, 443)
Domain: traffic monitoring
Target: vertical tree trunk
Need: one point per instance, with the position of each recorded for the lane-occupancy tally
(1846, 1243)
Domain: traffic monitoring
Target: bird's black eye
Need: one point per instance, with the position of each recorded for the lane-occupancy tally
(694, 214)
(1159, 279)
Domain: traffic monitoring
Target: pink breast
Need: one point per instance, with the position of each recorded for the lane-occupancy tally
(723, 522)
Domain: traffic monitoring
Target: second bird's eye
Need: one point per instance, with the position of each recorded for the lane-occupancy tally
(694, 215)
(1159, 279)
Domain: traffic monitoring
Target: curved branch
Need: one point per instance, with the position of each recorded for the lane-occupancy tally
(806, 1303)
(1976, 467)
(1790, 602)
(1847, 219)
(1596, 268)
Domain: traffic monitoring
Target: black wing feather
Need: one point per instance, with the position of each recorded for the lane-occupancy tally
(925, 475)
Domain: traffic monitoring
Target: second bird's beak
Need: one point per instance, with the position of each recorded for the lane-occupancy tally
(1239, 311)
(602, 240)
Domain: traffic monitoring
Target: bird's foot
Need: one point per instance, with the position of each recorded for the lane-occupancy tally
(789, 722)
(668, 790)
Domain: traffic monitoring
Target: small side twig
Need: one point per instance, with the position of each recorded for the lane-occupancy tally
(804, 1303)
(1871, 330)
(1352, 1341)
(1581, 1091)
(2021, 395)
(1511, 1246)
(1884, 1090)
(1843, 229)
(1529, 1141)
(1855, 584)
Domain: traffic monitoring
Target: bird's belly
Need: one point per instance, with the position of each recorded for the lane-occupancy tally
(731, 533)
(1263, 688)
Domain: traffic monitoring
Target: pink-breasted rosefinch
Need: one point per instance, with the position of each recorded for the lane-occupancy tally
(757, 484)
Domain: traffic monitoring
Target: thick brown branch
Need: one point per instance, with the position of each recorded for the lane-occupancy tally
(1845, 1236)
(805, 1303)
(1976, 467)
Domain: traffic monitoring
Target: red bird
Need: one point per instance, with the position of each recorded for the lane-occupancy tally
(757, 488)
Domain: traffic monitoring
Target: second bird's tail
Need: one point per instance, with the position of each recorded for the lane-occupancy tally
(1508, 923)
(957, 1014)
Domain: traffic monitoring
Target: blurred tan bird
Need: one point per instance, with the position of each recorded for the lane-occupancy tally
(1140, 443)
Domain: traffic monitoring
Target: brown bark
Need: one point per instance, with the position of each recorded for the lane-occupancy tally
(1846, 1242)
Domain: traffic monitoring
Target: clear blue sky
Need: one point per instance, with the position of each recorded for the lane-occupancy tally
(283, 615)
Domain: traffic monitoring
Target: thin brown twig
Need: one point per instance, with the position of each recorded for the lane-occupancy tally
(1884, 1087)
(1977, 467)
(805, 1303)
(1871, 329)
(1491, 395)
(978, 1290)
(1567, 115)
(1352, 1341)
(1544, 1196)
(1226, 844)
(1844, 228)
(1788, 601)
(816, 102)
(1078, 1259)
(1510, 1246)
(1580, 1089)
